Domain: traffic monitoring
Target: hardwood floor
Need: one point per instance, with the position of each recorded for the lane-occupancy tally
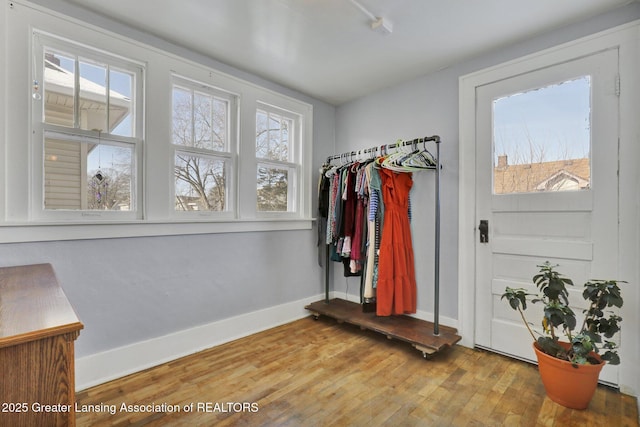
(321, 373)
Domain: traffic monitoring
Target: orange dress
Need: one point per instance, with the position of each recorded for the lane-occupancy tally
(396, 291)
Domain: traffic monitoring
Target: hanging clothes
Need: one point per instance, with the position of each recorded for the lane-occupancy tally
(396, 288)
(388, 282)
(374, 218)
(369, 239)
(323, 213)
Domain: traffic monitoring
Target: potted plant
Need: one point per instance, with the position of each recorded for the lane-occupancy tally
(570, 368)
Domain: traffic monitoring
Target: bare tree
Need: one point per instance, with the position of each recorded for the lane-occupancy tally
(199, 121)
(109, 187)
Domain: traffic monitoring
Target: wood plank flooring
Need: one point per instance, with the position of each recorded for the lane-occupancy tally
(321, 373)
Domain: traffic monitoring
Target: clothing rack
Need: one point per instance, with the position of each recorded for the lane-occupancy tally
(405, 328)
(386, 148)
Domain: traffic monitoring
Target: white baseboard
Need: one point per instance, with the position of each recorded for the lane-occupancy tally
(442, 320)
(111, 364)
(420, 314)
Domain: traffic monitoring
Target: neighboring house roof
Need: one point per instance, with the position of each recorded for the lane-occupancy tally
(189, 203)
(543, 176)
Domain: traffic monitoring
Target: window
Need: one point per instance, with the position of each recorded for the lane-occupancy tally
(88, 122)
(201, 136)
(542, 139)
(156, 145)
(278, 165)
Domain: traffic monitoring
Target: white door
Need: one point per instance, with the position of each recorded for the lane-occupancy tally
(547, 185)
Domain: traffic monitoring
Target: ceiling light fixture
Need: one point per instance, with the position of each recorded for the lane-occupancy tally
(378, 23)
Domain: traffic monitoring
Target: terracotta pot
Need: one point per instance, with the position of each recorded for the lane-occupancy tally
(566, 384)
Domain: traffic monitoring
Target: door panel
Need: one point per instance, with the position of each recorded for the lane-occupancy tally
(576, 229)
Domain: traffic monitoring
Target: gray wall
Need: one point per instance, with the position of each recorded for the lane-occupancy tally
(131, 290)
(426, 106)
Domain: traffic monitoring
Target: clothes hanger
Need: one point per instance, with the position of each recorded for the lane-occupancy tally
(418, 159)
(391, 161)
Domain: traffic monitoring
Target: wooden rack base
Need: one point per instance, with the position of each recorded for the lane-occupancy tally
(417, 332)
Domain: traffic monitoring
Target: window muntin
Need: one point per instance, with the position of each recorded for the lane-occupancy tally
(542, 139)
(87, 126)
(88, 94)
(203, 161)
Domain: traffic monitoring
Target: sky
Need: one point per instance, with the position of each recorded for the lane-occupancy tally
(554, 120)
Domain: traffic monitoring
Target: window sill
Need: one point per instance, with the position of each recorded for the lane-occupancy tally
(45, 232)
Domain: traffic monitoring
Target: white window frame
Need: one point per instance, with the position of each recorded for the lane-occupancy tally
(293, 164)
(40, 43)
(155, 215)
(228, 156)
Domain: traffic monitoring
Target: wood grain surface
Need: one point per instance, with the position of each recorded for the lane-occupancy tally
(321, 373)
(33, 305)
(38, 328)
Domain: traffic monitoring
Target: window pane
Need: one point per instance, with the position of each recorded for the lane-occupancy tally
(200, 183)
(202, 113)
(93, 96)
(275, 126)
(273, 189)
(273, 136)
(121, 103)
(110, 169)
(87, 176)
(542, 139)
(220, 124)
(182, 124)
(58, 89)
(262, 135)
(200, 120)
(91, 110)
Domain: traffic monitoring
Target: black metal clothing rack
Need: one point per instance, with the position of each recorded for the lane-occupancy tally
(384, 149)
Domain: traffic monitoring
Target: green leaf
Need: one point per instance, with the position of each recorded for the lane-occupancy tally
(611, 357)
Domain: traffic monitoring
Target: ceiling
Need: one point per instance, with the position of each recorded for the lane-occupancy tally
(327, 49)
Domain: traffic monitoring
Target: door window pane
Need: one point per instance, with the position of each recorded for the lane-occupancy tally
(542, 139)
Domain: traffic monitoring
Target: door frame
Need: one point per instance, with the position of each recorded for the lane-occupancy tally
(626, 38)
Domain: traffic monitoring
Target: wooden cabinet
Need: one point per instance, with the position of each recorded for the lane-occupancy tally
(38, 328)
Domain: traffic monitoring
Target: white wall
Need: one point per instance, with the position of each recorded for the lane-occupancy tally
(420, 108)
